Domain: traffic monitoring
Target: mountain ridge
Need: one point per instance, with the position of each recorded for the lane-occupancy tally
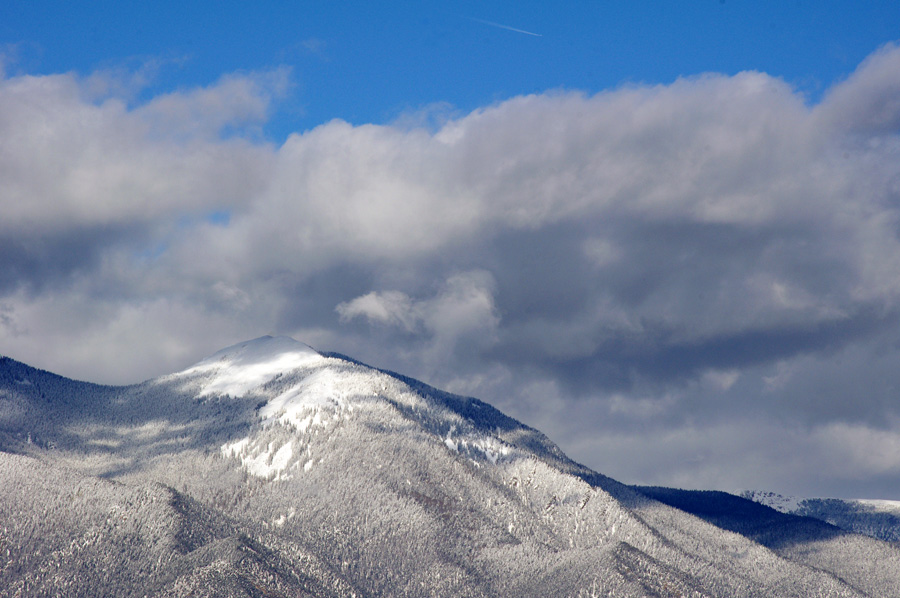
(876, 518)
(388, 486)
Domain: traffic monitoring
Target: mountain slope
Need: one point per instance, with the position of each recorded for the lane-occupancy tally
(807, 540)
(360, 482)
(76, 535)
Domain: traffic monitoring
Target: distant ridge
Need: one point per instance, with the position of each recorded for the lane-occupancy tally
(876, 518)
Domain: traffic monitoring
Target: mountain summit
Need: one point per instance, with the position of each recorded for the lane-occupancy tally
(270, 469)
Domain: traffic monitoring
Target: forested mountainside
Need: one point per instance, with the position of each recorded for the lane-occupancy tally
(270, 469)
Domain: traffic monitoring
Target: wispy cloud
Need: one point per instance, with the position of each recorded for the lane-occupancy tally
(501, 26)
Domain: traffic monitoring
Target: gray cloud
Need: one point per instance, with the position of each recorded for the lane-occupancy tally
(714, 263)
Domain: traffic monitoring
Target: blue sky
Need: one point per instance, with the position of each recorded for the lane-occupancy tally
(665, 236)
(368, 63)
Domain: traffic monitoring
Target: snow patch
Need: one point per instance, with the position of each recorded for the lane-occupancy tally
(235, 449)
(876, 505)
(241, 368)
(261, 462)
(491, 448)
(451, 444)
(324, 396)
(284, 518)
(266, 464)
(484, 448)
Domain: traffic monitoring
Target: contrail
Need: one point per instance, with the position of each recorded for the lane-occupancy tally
(507, 27)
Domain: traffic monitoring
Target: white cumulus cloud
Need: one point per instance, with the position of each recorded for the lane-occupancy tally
(719, 245)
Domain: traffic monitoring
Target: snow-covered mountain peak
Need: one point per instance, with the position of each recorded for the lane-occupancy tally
(300, 398)
(241, 368)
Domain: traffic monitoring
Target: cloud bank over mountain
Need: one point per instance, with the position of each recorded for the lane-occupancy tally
(693, 284)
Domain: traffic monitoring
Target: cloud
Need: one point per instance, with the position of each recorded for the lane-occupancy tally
(682, 259)
(462, 312)
(80, 178)
(233, 101)
(389, 307)
(753, 454)
(868, 102)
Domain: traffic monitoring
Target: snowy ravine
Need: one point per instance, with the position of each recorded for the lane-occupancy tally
(270, 469)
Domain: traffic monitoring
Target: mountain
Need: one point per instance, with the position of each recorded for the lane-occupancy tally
(270, 469)
(876, 518)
